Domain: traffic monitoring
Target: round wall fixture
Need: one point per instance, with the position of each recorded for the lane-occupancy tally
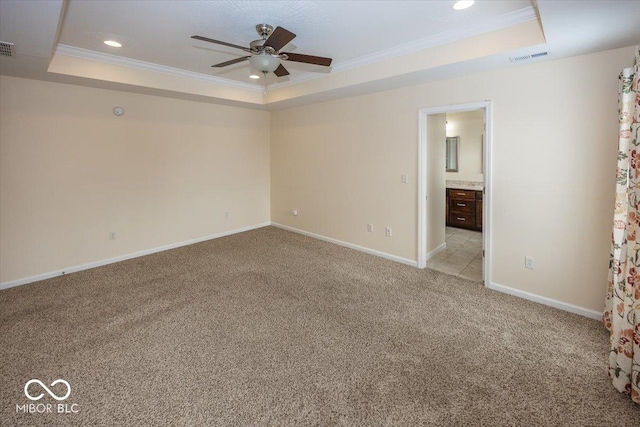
(118, 111)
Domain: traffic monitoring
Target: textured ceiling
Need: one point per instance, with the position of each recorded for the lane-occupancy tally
(159, 31)
(376, 45)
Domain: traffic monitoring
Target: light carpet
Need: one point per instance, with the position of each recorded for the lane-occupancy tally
(270, 327)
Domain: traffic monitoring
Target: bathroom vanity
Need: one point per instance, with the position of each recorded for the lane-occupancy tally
(464, 208)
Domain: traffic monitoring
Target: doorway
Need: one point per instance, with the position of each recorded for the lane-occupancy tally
(462, 234)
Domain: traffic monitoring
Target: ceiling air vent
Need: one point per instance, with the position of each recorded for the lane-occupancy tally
(527, 57)
(7, 49)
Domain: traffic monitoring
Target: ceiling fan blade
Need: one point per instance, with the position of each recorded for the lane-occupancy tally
(308, 59)
(206, 39)
(233, 61)
(279, 38)
(281, 71)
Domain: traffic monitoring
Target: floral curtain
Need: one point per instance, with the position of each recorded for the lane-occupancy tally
(622, 304)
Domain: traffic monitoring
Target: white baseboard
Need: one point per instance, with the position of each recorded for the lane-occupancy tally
(100, 263)
(593, 314)
(586, 312)
(349, 245)
(436, 251)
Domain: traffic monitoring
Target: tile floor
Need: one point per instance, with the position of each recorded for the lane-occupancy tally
(462, 256)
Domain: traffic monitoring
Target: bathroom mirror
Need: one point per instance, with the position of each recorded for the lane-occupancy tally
(453, 150)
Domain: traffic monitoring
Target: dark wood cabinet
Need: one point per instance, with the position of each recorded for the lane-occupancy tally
(464, 208)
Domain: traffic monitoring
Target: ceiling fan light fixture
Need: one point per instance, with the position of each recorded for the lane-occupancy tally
(463, 4)
(264, 62)
(112, 43)
(265, 56)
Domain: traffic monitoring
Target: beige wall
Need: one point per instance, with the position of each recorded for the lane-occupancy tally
(342, 169)
(469, 127)
(165, 172)
(436, 206)
(554, 151)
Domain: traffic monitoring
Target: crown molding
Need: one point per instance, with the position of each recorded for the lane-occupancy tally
(106, 58)
(507, 20)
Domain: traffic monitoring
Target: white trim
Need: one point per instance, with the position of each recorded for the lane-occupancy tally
(92, 55)
(436, 251)
(593, 314)
(503, 21)
(348, 245)
(487, 106)
(100, 263)
(586, 312)
(487, 201)
(422, 189)
(507, 20)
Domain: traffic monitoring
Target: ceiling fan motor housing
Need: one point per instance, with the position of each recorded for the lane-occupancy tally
(257, 46)
(265, 55)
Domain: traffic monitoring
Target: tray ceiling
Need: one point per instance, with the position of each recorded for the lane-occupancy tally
(375, 45)
(159, 32)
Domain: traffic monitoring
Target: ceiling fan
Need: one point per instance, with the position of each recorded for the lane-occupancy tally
(265, 55)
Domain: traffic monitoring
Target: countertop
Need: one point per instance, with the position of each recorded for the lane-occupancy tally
(465, 185)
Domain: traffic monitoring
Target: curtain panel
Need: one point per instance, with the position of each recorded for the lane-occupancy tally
(621, 315)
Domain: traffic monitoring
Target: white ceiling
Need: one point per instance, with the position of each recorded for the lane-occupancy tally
(159, 31)
(375, 45)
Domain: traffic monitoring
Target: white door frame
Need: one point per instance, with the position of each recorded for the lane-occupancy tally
(487, 106)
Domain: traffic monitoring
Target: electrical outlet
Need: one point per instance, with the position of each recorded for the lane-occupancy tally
(404, 178)
(370, 228)
(112, 235)
(530, 262)
(226, 214)
(387, 231)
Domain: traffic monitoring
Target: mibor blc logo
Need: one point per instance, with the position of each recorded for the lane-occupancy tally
(31, 392)
(52, 394)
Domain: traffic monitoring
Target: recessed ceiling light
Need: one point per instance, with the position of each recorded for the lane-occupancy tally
(112, 43)
(254, 76)
(463, 4)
